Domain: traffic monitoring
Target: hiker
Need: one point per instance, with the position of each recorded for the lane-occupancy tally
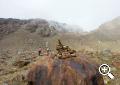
(39, 51)
(48, 51)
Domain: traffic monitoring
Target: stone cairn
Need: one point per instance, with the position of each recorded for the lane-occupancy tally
(64, 52)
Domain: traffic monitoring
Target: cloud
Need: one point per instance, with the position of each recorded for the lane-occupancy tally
(89, 14)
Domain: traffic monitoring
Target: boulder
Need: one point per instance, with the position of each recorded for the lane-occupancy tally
(74, 71)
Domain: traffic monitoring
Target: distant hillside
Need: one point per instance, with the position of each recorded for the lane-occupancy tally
(33, 33)
(107, 31)
(40, 26)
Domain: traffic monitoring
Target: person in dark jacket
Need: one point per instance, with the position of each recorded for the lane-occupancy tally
(39, 51)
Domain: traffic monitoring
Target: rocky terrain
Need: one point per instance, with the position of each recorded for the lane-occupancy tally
(51, 69)
(20, 40)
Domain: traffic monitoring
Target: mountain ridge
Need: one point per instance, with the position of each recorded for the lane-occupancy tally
(108, 31)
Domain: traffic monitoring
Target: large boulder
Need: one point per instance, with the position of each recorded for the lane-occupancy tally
(71, 71)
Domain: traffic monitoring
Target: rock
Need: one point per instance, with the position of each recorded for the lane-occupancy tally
(21, 63)
(77, 71)
(106, 54)
(68, 69)
(64, 52)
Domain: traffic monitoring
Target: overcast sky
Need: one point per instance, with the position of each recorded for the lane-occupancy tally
(88, 14)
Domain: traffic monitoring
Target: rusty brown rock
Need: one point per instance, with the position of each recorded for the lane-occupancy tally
(77, 71)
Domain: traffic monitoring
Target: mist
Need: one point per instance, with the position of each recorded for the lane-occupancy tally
(88, 14)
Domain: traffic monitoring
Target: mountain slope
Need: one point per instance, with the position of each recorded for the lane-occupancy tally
(33, 33)
(107, 31)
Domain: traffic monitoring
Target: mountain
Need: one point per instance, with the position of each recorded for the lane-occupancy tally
(108, 31)
(40, 26)
(33, 33)
(66, 28)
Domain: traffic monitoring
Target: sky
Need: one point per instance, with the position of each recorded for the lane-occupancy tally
(88, 14)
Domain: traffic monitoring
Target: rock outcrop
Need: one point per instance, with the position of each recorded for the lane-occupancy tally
(64, 71)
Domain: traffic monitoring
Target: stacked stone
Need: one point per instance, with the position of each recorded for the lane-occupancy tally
(64, 52)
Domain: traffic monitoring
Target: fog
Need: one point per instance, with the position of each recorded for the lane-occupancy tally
(88, 14)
